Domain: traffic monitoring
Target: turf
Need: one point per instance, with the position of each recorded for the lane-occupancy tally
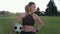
(51, 24)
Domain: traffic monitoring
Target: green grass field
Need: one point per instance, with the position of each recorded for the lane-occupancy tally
(51, 24)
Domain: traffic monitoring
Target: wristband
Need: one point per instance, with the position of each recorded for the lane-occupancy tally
(36, 30)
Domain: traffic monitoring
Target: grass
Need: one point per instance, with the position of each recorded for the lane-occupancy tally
(51, 24)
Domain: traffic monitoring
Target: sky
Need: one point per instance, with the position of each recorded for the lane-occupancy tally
(19, 5)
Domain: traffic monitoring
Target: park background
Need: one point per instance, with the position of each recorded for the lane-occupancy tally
(48, 10)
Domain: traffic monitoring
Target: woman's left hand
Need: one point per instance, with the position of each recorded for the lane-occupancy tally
(33, 30)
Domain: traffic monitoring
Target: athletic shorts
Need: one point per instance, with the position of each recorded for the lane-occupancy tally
(23, 32)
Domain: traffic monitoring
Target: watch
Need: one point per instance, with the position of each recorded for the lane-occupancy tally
(37, 30)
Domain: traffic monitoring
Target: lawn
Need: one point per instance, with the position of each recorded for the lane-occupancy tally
(51, 24)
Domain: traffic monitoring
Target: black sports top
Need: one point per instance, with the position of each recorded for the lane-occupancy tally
(28, 20)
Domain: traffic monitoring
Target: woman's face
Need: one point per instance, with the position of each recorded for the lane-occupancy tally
(32, 8)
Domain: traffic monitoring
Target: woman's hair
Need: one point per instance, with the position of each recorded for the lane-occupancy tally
(29, 4)
(26, 8)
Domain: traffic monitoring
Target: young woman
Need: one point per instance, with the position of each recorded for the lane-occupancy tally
(28, 20)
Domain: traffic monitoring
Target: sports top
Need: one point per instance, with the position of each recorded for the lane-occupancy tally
(28, 20)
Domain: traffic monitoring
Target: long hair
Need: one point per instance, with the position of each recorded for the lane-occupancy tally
(26, 8)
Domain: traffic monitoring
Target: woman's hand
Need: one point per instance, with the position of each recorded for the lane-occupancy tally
(33, 30)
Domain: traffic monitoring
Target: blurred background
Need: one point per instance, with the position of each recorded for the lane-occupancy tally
(48, 10)
(18, 6)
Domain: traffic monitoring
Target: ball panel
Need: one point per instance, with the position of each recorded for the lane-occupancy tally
(17, 28)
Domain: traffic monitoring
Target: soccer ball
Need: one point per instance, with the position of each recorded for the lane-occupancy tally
(17, 28)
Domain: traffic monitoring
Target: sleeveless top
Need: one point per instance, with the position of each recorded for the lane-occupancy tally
(28, 20)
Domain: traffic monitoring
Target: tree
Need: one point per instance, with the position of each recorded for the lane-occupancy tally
(38, 11)
(51, 9)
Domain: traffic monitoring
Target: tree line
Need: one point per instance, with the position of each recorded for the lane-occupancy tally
(51, 10)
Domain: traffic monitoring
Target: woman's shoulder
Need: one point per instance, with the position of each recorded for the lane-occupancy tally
(36, 16)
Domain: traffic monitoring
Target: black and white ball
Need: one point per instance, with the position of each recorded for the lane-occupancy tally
(17, 28)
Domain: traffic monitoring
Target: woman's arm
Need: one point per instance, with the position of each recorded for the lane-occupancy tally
(14, 22)
(41, 24)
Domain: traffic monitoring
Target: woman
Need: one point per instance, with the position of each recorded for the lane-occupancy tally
(28, 20)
